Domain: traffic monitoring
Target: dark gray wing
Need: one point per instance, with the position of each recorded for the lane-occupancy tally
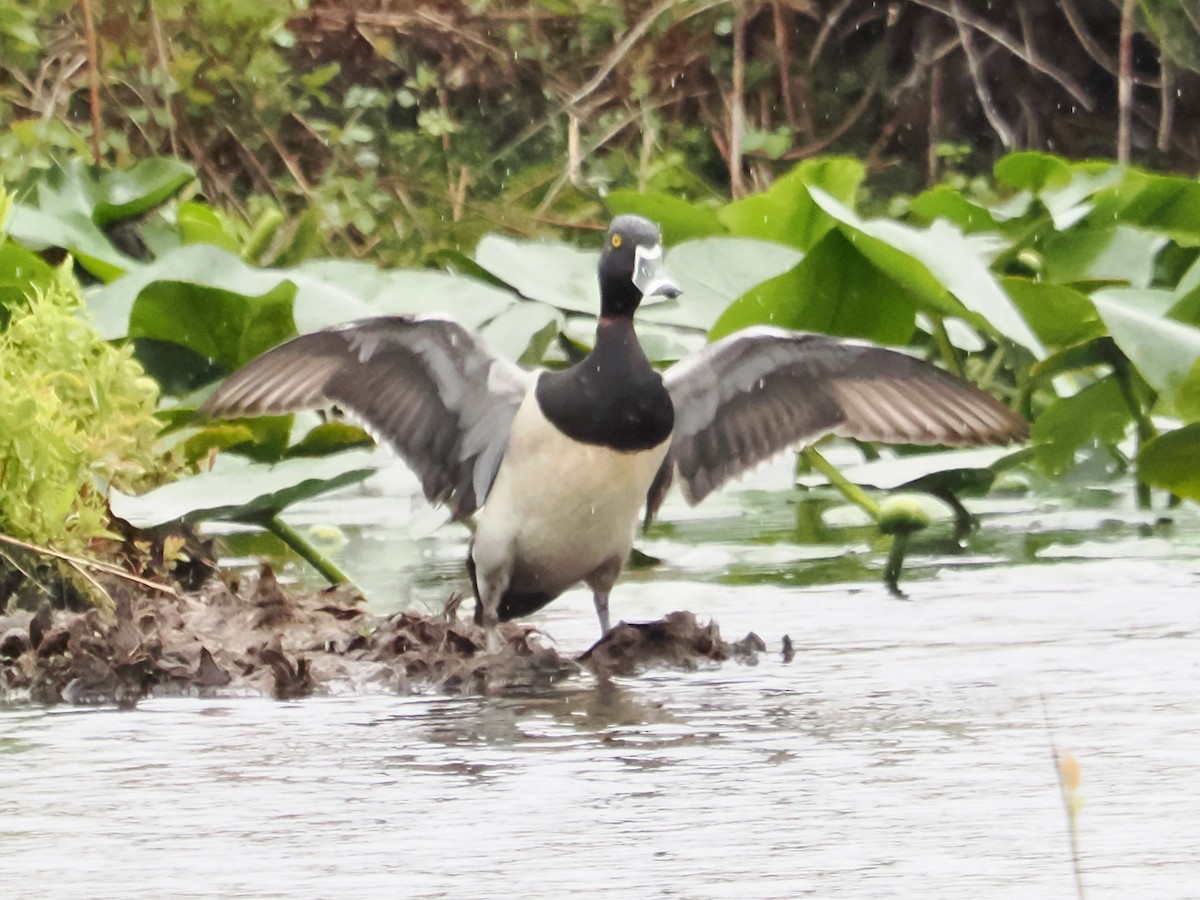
(753, 394)
(425, 386)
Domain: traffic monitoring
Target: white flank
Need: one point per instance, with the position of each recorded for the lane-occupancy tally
(559, 509)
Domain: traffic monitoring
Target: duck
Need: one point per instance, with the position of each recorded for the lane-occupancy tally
(558, 466)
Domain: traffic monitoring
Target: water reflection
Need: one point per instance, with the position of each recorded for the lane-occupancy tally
(901, 753)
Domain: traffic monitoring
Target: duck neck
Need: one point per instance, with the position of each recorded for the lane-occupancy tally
(615, 334)
(613, 397)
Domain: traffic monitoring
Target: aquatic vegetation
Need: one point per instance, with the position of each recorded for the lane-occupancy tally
(78, 418)
(1069, 290)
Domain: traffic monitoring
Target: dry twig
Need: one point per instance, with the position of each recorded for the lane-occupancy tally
(1005, 40)
(990, 111)
(93, 54)
(1125, 84)
(78, 561)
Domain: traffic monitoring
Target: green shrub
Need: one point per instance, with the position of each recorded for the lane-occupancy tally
(76, 415)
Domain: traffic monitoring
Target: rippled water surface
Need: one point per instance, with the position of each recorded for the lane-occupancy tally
(902, 753)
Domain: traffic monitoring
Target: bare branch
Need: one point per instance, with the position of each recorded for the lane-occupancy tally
(990, 111)
(856, 112)
(1125, 84)
(1009, 43)
(783, 50)
(1166, 115)
(626, 44)
(1093, 49)
(93, 55)
(826, 30)
(737, 113)
(935, 123)
(79, 561)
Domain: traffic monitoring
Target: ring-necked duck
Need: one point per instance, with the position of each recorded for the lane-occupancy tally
(559, 463)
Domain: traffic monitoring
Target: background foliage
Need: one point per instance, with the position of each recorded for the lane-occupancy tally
(221, 176)
(413, 126)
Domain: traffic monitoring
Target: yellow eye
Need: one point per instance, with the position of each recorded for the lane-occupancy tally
(616, 240)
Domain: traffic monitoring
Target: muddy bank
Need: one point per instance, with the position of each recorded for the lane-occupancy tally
(255, 636)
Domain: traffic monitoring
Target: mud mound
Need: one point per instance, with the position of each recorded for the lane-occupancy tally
(677, 641)
(258, 638)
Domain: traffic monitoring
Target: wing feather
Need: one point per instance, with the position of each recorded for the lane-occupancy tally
(427, 387)
(754, 394)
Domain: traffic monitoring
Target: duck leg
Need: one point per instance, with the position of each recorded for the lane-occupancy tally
(488, 591)
(601, 582)
(601, 601)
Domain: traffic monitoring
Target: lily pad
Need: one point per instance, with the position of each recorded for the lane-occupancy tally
(833, 290)
(934, 263)
(552, 272)
(679, 220)
(237, 489)
(1097, 413)
(1058, 314)
(523, 331)
(1169, 461)
(1163, 350)
(928, 471)
(713, 273)
(73, 231)
(202, 265)
(330, 292)
(125, 194)
(789, 211)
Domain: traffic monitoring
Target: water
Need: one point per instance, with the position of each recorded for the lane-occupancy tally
(903, 752)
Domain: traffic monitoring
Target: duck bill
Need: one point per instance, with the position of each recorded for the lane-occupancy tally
(650, 275)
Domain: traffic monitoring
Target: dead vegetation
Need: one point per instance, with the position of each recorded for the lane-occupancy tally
(253, 636)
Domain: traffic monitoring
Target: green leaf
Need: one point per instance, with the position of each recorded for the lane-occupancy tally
(331, 437)
(1059, 315)
(1032, 171)
(74, 232)
(1187, 398)
(833, 290)
(787, 211)
(200, 264)
(319, 296)
(330, 292)
(953, 470)
(21, 271)
(679, 220)
(1186, 297)
(1163, 350)
(1071, 202)
(713, 273)
(226, 328)
(1100, 351)
(547, 271)
(1165, 204)
(944, 202)
(934, 263)
(1169, 462)
(237, 489)
(523, 331)
(132, 192)
(1098, 412)
(1103, 253)
(263, 438)
(201, 224)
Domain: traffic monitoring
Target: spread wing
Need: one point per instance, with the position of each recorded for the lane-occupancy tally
(753, 394)
(427, 387)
